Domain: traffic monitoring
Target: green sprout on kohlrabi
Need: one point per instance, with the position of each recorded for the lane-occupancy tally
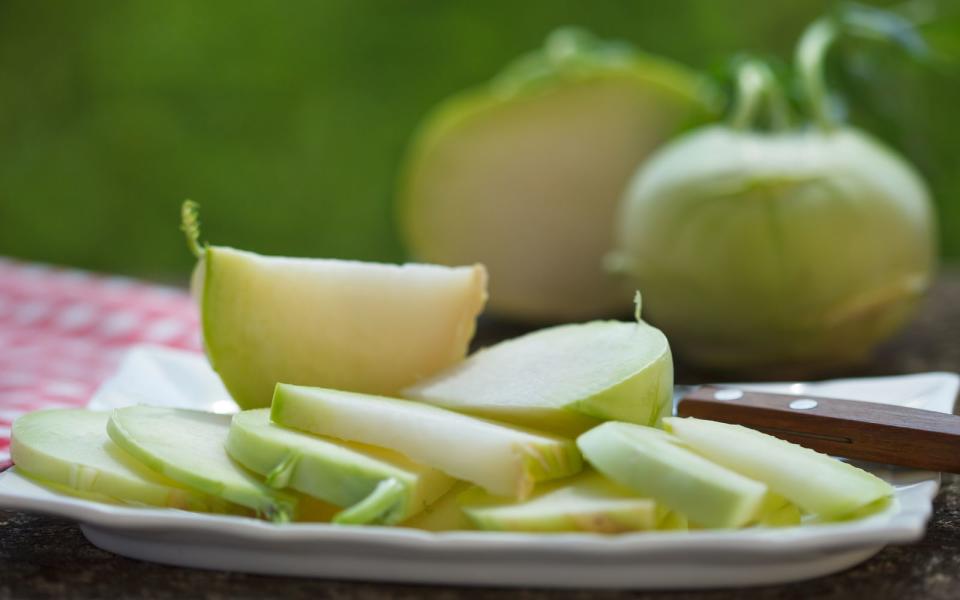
(782, 239)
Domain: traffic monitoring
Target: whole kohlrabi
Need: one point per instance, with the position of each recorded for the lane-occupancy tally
(792, 248)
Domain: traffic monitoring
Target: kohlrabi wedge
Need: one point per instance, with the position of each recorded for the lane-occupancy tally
(658, 465)
(375, 485)
(188, 446)
(524, 174)
(815, 482)
(551, 379)
(368, 327)
(445, 514)
(70, 449)
(585, 502)
(503, 459)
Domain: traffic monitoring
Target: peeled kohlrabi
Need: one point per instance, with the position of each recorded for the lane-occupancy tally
(524, 174)
(794, 247)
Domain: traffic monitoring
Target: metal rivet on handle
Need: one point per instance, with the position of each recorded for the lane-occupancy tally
(728, 394)
(803, 404)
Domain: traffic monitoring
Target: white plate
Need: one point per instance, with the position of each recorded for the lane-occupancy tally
(641, 560)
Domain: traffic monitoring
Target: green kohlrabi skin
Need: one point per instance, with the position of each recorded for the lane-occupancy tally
(793, 248)
(524, 174)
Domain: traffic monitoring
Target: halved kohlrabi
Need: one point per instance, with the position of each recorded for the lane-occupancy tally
(815, 482)
(503, 459)
(375, 485)
(69, 450)
(367, 327)
(562, 379)
(188, 446)
(586, 502)
(524, 174)
(658, 465)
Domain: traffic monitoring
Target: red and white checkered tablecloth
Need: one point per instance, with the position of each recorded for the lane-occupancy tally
(63, 331)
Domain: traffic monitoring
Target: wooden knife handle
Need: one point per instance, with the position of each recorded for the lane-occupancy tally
(869, 431)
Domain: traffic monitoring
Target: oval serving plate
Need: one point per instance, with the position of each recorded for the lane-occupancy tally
(659, 560)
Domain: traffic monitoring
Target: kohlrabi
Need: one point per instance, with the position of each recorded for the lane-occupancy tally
(797, 246)
(524, 174)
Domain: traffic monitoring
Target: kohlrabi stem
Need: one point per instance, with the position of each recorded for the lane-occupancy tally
(190, 226)
(811, 52)
(757, 86)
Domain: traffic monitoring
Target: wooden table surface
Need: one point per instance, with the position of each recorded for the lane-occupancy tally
(43, 557)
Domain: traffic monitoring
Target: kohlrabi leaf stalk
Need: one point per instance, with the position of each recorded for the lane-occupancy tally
(857, 21)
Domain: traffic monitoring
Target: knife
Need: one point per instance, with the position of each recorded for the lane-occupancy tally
(883, 433)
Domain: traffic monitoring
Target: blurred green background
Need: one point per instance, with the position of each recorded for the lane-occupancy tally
(288, 121)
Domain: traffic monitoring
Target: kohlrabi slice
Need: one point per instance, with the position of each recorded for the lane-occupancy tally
(503, 459)
(524, 173)
(376, 485)
(550, 379)
(658, 465)
(367, 327)
(585, 502)
(815, 482)
(70, 449)
(445, 514)
(188, 446)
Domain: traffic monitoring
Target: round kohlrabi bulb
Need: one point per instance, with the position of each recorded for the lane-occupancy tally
(797, 250)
